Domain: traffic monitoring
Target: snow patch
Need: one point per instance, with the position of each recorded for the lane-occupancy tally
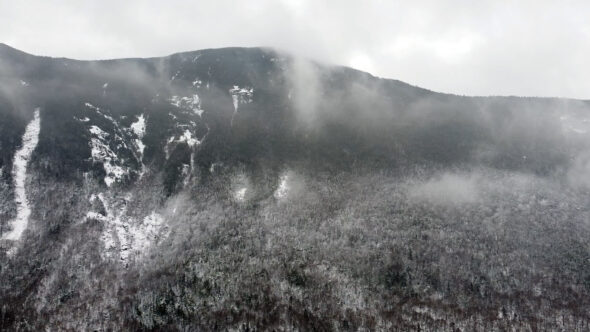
(239, 187)
(240, 194)
(106, 146)
(21, 159)
(138, 128)
(114, 173)
(89, 105)
(167, 148)
(186, 172)
(240, 96)
(192, 104)
(150, 231)
(95, 130)
(283, 188)
(124, 237)
(96, 215)
(101, 152)
(187, 137)
(99, 111)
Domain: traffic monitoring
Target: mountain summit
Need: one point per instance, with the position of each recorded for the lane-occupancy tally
(247, 189)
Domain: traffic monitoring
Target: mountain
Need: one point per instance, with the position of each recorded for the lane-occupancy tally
(248, 189)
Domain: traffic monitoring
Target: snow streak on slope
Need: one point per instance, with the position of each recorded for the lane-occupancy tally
(113, 146)
(21, 160)
(138, 128)
(101, 152)
(240, 96)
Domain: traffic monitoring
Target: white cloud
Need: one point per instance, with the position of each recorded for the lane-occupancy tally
(362, 61)
(446, 189)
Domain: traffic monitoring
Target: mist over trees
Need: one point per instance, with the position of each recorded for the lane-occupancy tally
(244, 189)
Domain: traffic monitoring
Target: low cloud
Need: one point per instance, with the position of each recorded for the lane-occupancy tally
(446, 189)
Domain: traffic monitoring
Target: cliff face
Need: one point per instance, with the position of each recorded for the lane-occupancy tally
(248, 189)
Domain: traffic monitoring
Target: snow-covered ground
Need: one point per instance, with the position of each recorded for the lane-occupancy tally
(101, 152)
(192, 103)
(106, 147)
(283, 188)
(125, 237)
(19, 172)
(150, 231)
(240, 194)
(100, 111)
(240, 96)
(138, 128)
(187, 137)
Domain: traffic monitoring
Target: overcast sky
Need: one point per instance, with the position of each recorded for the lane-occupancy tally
(484, 47)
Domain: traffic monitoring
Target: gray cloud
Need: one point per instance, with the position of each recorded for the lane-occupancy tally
(534, 48)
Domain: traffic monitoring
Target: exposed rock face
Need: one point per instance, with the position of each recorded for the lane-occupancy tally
(245, 189)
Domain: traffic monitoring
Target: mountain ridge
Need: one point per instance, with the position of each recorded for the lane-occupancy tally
(269, 48)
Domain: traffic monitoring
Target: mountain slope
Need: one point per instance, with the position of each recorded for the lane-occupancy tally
(243, 188)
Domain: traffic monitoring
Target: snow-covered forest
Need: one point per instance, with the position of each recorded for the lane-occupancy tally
(246, 189)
